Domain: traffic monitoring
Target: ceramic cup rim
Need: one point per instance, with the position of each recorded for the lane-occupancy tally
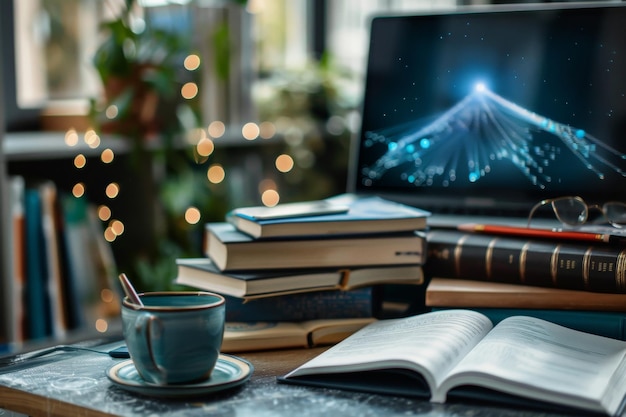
(201, 306)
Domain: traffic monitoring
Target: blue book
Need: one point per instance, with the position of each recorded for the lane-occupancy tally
(362, 215)
(37, 302)
(359, 303)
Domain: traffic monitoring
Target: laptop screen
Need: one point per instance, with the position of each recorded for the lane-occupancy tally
(499, 107)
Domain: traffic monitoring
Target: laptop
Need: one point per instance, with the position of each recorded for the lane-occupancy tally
(477, 114)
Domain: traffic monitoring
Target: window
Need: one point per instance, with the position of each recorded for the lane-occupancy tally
(54, 40)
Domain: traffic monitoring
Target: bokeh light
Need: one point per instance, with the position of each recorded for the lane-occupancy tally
(78, 190)
(192, 62)
(80, 161)
(92, 139)
(205, 147)
(284, 163)
(189, 90)
(216, 174)
(111, 112)
(71, 137)
(102, 325)
(217, 129)
(267, 130)
(192, 215)
(250, 131)
(112, 190)
(104, 213)
(107, 156)
(117, 227)
(270, 198)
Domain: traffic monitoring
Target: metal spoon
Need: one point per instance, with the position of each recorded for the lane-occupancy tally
(129, 290)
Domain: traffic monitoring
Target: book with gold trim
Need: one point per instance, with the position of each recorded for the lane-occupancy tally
(562, 264)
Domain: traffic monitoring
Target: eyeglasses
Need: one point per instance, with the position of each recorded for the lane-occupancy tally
(574, 211)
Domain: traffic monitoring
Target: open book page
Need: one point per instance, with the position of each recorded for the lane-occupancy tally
(541, 360)
(430, 344)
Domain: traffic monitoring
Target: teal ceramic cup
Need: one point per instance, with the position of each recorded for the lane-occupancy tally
(175, 338)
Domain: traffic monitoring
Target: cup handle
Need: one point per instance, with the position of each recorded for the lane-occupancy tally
(144, 328)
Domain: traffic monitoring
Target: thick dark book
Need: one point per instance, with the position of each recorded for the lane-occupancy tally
(364, 215)
(468, 293)
(547, 263)
(448, 355)
(202, 273)
(233, 250)
(318, 305)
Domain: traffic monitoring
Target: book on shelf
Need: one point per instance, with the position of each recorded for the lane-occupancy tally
(89, 265)
(459, 354)
(466, 293)
(251, 336)
(603, 323)
(16, 282)
(232, 250)
(53, 246)
(82, 273)
(559, 264)
(357, 303)
(362, 215)
(37, 301)
(202, 273)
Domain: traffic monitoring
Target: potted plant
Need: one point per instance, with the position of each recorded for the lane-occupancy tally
(141, 70)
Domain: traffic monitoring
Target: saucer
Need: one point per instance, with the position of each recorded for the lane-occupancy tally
(230, 371)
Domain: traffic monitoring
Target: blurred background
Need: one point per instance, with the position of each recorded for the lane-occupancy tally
(187, 109)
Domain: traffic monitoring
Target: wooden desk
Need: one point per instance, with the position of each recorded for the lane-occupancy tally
(75, 384)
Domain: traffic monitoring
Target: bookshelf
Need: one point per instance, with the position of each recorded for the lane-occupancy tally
(45, 155)
(4, 227)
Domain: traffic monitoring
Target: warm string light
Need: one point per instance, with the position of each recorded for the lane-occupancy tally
(204, 146)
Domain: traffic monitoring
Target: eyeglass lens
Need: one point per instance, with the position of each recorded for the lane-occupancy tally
(615, 213)
(569, 210)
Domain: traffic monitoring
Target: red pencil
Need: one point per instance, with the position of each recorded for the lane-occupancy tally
(540, 233)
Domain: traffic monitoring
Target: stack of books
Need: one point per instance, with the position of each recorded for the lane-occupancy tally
(314, 268)
(578, 281)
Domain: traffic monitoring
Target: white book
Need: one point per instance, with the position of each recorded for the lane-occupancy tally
(458, 353)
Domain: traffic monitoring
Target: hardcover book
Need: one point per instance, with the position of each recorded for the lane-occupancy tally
(547, 263)
(454, 354)
(362, 215)
(466, 293)
(204, 274)
(251, 336)
(358, 303)
(233, 250)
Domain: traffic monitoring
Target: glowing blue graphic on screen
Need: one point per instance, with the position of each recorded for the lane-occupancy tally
(478, 130)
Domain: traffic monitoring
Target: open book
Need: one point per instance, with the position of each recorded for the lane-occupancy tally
(459, 354)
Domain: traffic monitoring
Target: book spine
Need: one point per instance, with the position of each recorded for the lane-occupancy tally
(37, 301)
(556, 264)
(608, 324)
(18, 267)
(317, 305)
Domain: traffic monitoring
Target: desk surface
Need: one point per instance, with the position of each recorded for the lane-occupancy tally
(75, 384)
